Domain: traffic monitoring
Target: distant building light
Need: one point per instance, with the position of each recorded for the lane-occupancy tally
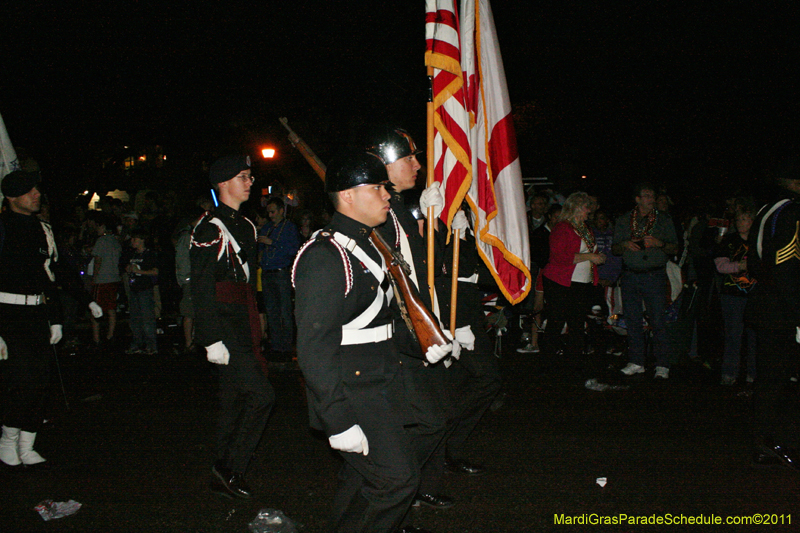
(142, 158)
(583, 177)
(85, 193)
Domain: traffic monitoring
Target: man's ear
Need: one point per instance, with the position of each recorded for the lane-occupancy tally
(346, 196)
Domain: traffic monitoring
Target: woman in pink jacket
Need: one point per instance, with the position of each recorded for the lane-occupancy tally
(572, 271)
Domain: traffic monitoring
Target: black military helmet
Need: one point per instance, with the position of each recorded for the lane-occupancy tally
(353, 168)
(391, 144)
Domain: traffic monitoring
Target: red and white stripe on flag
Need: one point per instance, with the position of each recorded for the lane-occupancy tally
(473, 119)
(452, 153)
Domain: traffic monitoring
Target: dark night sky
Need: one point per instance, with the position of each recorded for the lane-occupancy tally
(690, 92)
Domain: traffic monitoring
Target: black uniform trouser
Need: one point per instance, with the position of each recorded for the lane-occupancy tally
(376, 491)
(425, 391)
(473, 383)
(777, 411)
(246, 398)
(26, 372)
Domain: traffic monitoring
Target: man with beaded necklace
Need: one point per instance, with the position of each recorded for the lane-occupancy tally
(645, 239)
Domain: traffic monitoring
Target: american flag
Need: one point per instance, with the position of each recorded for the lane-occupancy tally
(475, 151)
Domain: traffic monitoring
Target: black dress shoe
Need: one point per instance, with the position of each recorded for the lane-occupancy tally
(463, 467)
(434, 501)
(232, 482)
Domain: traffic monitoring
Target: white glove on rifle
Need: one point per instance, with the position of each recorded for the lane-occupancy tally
(432, 197)
(437, 352)
(218, 353)
(55, 333)
(465, 337)
(3, 350)
(353, 441)
(460, 222)
(96, 310)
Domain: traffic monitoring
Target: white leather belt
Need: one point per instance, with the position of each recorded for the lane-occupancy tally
(366, 336)
(21, 299)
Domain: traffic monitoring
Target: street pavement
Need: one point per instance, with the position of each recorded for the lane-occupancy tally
(135, 449)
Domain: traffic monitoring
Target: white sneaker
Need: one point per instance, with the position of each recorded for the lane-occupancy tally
(528, 348)
(662, 372)
(632, 368)
(593, 384)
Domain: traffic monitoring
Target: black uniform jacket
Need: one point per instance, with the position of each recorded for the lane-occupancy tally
(350, 384)
(214, 320)
(774, 300)
(23, 253)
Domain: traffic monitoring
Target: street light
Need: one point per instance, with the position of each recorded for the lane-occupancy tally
(268, 153)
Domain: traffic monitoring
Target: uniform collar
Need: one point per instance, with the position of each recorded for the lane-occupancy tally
(348, 226)
(225, 211)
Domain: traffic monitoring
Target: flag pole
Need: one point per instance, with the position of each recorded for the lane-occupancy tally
(431, 166)
(454, 281)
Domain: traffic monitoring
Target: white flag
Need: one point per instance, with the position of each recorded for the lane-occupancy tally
(8, 157)
(496, 194)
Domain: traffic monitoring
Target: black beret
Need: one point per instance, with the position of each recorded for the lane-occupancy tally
(19, 183)
(228, 167)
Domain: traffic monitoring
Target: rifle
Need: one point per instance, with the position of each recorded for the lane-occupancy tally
(420, 321)
(304, 149)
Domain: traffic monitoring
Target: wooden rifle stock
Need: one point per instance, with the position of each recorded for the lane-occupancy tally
(305, 150)
(420, 320)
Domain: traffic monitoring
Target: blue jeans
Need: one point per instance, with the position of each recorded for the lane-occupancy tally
(733, 314)
(143, 320)
(640, 291)
(277, 289)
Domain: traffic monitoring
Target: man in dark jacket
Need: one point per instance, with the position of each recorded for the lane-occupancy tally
(223, 274)
(773, 308)
(30, 317)
(346, 352)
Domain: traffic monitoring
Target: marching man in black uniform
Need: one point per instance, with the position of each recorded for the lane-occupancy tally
(223, 260)
(346, 353)
(773, 308)
(30, 317)
(425, 384)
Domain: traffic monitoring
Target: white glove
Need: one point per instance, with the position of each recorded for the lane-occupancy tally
(460, 222)
(55, 333)
(353, 441)
(437, 352)
(432, 197)
(456, 353)
(96, 310)
(465, 337)
(3, 350)
(218, 353)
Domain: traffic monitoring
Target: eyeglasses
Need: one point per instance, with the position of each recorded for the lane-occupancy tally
(244, 178)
